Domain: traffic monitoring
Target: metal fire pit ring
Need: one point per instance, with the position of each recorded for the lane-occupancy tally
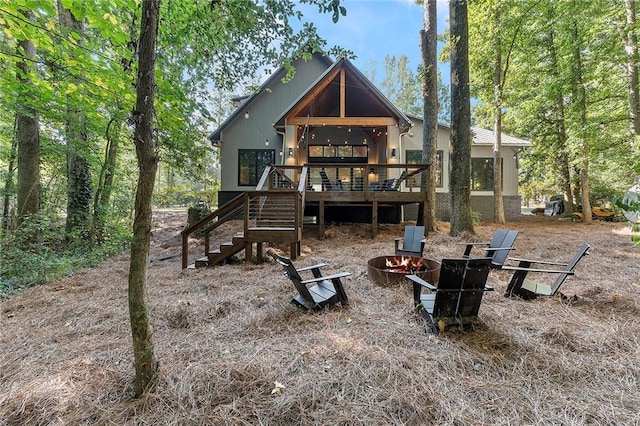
(381, 274)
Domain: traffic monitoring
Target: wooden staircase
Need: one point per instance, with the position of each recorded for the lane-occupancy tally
(272, 215)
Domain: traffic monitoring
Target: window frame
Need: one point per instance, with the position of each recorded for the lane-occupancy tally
(439, 177)
(257, 167)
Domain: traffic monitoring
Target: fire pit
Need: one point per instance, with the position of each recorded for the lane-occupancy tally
(388, 270)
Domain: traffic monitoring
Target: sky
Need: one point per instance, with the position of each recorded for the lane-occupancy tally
(374, 29)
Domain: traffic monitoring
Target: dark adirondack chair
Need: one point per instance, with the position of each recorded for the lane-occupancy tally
(457, 298)
(498, 248)
(412, 242)
(521, 286)
(318, 291)
(326, 183)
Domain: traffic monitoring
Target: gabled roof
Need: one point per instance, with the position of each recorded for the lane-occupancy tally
(215, 135)
(373, 102)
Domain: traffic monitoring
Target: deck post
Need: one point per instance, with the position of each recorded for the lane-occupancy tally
(259, 246)
(321, 220)
(248, 252)
(374, 218)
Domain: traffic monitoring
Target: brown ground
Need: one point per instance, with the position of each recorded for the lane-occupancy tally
(225, 335)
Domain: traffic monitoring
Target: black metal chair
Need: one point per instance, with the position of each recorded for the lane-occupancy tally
(316, 292)
(457, 298)
(412, 242)
(521, 286)
(498, 248)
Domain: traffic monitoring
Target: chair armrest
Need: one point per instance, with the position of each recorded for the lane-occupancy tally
(307, 268)
(474, 244)
(327, 277)
(500, 248)
(541, 262)
(417, 280)
(552, 271)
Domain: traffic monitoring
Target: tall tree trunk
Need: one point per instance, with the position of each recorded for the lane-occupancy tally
(460, 164)
(631, 48)
(105, 181)
(428, 38)
(79, 184)
(581, 97)
(560, 125)
(143, 348)
(498, 205)
(27, 137)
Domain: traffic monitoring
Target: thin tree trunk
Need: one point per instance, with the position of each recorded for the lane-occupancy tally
(560, 126)
(460, 164)
(143, 348)
(582, 104)
(498, 205)
(9, 187)
(27, 137)
(105, 181)
(428, 38)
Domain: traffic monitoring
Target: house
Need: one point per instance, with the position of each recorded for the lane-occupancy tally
(361, 153)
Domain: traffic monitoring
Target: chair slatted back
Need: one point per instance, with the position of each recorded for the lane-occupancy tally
(582, 252)
(291, 272)
(460, 287)
(412, 240)
(508, 238)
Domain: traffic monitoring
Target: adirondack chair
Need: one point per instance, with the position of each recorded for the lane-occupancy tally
(498, 248)
(398, 182)
(412, 242)
(316, 292)
(520, 285)
(326, 183)
(457, 297)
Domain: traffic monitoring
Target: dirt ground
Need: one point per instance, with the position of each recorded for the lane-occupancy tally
(233, 350)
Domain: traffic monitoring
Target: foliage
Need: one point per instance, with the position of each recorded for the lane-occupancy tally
(25, 264)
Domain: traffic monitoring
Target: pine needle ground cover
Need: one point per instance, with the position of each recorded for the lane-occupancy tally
(234, 351)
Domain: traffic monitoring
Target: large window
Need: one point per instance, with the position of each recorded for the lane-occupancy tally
(251, 165)
(482, 174)
(338, 153)
(415, 157)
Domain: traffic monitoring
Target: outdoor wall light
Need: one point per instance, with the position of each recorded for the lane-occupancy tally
(290, 152)
(372, 171)
(266, 143)
(393, 153)
(246, 115)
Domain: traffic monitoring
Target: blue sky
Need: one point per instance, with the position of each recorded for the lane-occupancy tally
(373, 29)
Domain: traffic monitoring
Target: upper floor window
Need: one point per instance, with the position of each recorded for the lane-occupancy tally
(251, 165)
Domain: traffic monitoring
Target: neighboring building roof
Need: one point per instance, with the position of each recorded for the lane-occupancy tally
(483, 136)
(215, 135)
(403, 120)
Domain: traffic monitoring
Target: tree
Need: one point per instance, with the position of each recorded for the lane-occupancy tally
(79, 185)
(27, 133)
(460, 137)
(145, 362)
(428, 40)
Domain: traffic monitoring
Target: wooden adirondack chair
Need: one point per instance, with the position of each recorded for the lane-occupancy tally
(498, 248)
(520, 285)
(457, 297)
(316, 292)
(412, 242)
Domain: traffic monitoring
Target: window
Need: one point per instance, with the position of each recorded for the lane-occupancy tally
(338, 154)
(415, 157)
(482, 174)
(251, 165)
